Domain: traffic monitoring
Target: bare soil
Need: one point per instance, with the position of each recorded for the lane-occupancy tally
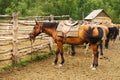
(74, 68)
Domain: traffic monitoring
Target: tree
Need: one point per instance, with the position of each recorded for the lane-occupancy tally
(74, 8)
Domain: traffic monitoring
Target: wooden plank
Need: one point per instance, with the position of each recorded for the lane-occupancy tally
(40, 45)
(3, 24)
(5, 16)
(47, 17)
(6, 51)
(6, 21)
(5, 38)
(6, 43)
(26, 52)
(5, 59)
(27, 24)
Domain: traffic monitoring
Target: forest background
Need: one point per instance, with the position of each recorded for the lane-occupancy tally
(77, 9)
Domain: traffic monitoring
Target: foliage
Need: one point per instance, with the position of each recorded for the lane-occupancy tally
(66, 47)
(74, 8)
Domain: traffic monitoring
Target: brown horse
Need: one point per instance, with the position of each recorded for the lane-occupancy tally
(86, 34)
(105, 38)
(112, 33)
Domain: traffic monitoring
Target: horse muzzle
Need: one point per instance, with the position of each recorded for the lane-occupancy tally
(31, 37)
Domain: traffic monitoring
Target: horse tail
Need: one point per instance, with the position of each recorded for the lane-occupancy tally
(116, 33)
(113, 32)
(94, 39)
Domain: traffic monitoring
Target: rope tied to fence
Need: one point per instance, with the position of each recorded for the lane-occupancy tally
(32, 40)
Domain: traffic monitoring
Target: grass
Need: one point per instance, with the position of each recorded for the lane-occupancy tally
(36, 56)
(65, 47)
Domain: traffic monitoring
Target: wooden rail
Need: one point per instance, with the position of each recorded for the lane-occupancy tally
(11, 36)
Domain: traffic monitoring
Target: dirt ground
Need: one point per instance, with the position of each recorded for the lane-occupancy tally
(74, 68)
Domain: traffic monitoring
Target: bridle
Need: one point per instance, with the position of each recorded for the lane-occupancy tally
(32, 38)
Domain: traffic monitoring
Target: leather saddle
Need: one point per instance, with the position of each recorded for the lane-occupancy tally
(66, 26)
(68, 29)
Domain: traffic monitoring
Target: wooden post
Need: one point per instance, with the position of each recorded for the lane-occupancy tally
(15, 31)
(51, 18)
(69, 17)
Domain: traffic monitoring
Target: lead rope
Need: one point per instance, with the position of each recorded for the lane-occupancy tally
(32, 49)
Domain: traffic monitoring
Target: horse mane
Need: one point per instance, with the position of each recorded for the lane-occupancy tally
(50, 24)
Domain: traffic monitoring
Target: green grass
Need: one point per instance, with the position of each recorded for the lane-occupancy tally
(36, 56)
(65, 47)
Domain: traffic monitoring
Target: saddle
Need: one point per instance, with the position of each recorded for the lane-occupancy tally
(68, 29)
(66, 26)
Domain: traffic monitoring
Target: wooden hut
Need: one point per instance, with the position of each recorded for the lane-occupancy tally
(98, 16)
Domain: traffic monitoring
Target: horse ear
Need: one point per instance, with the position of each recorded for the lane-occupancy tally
(36, 22)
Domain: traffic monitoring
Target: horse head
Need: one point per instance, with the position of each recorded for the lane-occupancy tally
(37, 29)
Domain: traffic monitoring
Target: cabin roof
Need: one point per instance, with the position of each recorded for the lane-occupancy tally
(94, 14)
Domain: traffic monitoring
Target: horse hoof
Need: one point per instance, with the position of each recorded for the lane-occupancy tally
(71, 54)
(93, 68)
(101, 57)
(60, 65)
(53, 64)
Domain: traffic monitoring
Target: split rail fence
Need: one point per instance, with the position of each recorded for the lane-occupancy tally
(14, 32)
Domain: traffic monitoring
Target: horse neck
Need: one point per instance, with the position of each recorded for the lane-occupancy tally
(49, 31)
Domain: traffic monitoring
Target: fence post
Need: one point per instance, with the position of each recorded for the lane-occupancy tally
(15, 31)
(51, 18)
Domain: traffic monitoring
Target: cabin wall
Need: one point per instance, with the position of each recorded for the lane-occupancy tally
(102, 19)
(102, 14)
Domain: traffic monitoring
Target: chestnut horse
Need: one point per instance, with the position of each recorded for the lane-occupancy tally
(105, 39)
(86, 33)
(112, 33)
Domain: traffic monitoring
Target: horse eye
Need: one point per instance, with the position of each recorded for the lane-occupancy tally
(34, 28)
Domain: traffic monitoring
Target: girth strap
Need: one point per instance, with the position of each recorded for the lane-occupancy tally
(64, 37)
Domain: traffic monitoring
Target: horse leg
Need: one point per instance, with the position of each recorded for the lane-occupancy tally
(101, 49)
(106, 43)
(87, 47)
(96, 54)
(72, 51)
(56, 58)
(60, 50)
(62, 58)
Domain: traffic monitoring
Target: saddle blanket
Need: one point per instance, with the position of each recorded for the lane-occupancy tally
(69, 31)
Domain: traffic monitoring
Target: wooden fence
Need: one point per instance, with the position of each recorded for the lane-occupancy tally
(14, 36)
